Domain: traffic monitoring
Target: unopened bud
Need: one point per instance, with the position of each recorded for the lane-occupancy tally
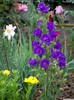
(43, 45)
(59, 81)
(42, 68)
(34, 70)
(49, 79)
(38, 11)
(58, 68)
(60, 88)
(38, 75)
(11, 85)
(56, 73)
(57, 59)
(61, 71)
(42, 19)
(65, 74)
(45, 74)
(35, 57)
(17, 94)
(53, 67)
(64, 80)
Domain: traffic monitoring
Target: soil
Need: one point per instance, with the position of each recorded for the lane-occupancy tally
(68, 89)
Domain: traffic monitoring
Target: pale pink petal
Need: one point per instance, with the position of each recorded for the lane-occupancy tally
(59, 10)
(12, 33)
(9, 37)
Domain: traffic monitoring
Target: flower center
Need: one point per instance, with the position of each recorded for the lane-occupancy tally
(8, 31)
(44, 63)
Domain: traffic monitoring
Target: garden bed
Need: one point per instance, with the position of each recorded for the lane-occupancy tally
(68, 89)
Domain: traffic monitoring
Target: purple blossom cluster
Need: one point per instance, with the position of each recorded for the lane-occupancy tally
(37, 32)
(45, 38)
(39, 50)
(58, 45)
(38, 47)
(59, 55)
(42, 8)
(34, 43)
(44, 63)
(32, 62)
(50, 26)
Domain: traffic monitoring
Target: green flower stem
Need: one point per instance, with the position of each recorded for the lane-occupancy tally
(30, 44)
(54, 97)
(29, 90)
(47, 87)
(5, 53)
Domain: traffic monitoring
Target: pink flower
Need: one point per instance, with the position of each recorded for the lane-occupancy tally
(57, 33)
(22, 7)
(4, 29)
(54, 39)
(52, 13)
(59, 10)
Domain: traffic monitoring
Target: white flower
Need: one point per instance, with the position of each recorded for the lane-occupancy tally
(9, 31)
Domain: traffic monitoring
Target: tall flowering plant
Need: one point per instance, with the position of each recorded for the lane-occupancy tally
(49, 58)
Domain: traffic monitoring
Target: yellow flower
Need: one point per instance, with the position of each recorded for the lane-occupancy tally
(32, 80)
(26, 80)
(35, 79)
(6, 72)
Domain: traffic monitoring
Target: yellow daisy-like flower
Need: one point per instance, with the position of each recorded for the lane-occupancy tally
(31, 79)
(6, 72)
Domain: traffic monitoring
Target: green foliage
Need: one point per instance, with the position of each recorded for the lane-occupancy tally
(9, 87)
(70, 65)
(5, 10)
(72, 1)
(14, 54)
(70, 39)
(72, 13)
(58, 1)
(51, 81)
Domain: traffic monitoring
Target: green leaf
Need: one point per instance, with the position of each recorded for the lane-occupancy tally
(71, 64)
(72, 13)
